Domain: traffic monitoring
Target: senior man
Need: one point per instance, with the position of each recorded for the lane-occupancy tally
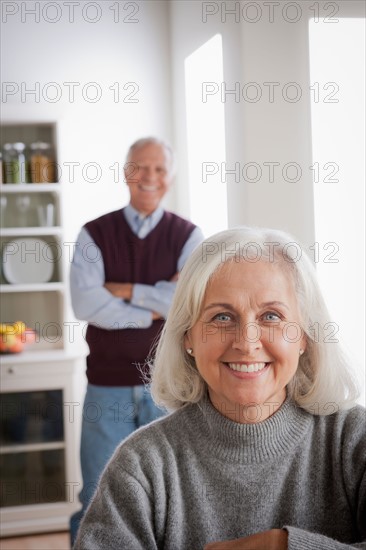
(125, 296)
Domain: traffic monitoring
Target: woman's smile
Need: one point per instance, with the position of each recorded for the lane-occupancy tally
(247, 370)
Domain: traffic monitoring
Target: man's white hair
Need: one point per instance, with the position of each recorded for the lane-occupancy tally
(142, 142)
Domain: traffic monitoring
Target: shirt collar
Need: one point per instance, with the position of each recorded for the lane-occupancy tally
(131, 215)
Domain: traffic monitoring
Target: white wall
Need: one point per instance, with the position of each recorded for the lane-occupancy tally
(256, 132)
(337, 55)
(263, 43)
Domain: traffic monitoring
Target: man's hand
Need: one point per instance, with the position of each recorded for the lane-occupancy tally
(156, 316)
(120, 290)
(275, 539)
(124, 291)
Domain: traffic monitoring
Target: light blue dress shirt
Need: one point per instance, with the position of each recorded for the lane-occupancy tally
(94, 303)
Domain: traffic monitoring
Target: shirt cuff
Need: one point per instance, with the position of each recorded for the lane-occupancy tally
(139, 297)
(133, 317)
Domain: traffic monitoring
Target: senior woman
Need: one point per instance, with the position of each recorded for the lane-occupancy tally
(265, 449)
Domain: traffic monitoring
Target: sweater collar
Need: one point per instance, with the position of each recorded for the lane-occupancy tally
(246, 443)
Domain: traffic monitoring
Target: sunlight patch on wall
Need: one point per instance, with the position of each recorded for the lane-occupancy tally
(206, 137)
(337, 75)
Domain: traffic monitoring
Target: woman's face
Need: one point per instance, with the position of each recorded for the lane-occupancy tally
(247, 340)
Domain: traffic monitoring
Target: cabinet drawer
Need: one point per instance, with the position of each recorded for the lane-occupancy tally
(35, 375)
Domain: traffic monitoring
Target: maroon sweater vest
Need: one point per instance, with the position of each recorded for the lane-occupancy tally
(117, 355)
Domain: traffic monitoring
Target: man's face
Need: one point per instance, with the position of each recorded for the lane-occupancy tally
(148, 177)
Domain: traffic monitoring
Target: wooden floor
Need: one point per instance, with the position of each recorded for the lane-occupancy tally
(49, 541)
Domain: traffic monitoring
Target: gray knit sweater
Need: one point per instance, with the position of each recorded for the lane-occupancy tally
(195, 477)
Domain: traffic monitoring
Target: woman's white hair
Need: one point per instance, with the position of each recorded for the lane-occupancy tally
(322, 383)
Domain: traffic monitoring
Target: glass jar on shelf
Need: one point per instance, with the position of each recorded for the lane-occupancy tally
(22, 205)
(15, 164)
(1, 168)
(3, 217)
(42, 165)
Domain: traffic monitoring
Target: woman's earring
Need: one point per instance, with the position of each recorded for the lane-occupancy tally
(301, 351)
(189, 350)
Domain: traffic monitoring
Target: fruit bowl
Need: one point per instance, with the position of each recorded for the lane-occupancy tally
(15, 336)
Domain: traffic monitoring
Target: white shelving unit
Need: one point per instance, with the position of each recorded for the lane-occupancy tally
(39, 305)
(37, 441)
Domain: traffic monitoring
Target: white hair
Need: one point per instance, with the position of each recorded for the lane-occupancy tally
(322, 383)
(142, 142)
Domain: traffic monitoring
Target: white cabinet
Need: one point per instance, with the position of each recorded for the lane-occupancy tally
(38, 457)
(39, 484)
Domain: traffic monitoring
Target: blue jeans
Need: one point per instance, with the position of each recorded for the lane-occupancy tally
(110, 414)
